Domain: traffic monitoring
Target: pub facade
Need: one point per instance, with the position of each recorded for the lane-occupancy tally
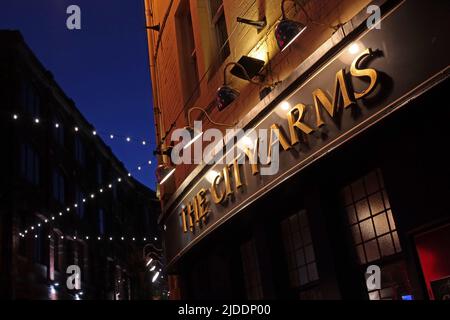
(361, 181)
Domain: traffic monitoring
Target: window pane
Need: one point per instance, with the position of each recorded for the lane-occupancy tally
(367, 230)
(386, 245)
(376, 203)
(372, 251)
(362, 209)
(381, 224)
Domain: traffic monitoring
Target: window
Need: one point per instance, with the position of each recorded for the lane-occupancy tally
(30, 164)
(22, 241)
(40, 243)
(30, 100)
(69, 253)
(99, 173)
(79, 195)
(58, 186)
(101, 221)
(81, 259)
(373, 230)
(220, 27)
(299, 250)
(56, 260)
(58, 131)
(252, 275)
(80, 155)
(187, 53)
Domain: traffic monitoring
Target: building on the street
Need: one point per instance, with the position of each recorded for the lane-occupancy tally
(65, 198)
(356, 106)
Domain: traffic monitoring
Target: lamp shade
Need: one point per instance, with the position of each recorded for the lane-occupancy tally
(287, 31)
(225, 96)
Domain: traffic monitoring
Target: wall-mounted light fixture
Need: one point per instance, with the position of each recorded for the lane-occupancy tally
(246, 68)
(258, 24)
(287, 31)
(197, 134)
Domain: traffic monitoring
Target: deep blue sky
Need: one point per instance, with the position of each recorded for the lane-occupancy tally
(103, 67)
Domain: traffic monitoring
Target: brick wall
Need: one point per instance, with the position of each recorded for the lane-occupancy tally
(244, 40)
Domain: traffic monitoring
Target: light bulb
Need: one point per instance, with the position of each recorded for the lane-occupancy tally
(76, 129)
(111, 136)
(15, 116)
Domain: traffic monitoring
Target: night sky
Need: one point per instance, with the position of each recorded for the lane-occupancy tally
(103, 67)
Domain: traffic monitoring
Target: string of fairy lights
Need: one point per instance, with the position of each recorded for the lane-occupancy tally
(17, 117)
(92, 132)
(34, 230)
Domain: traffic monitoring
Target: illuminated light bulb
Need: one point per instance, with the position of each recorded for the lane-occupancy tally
(110, 186)
(56, 125)
(122, 238)
(165, 227)
(36, 120)
(156, 238)
(26, 231)
(39, 225)
(46, 221)
(62, 237)
(67, 209)
(101, 190)
(155, 277)
(128, 139)
(129, 174)
(76, 129)
(354, 48)
(285, 105)
(74, 237)
(139, 168)
(144, 143)
(145, 239)
(148, 262)
(53, 218)
(92, 196)
(84, 200)
(94, 133)
(247, 142)
(52, 290)
(119, 179)
(32, 228)
(152, 268)
(60, 214)
(98, 238)
(49, 236)
(149, 162)
(15, 116)
(110, 238)
(75, 205)
(35, 236)
(87, 238)
(134, 239)
(111, 136)
(56, 284)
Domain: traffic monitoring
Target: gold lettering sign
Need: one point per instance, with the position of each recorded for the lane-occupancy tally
(194, 213)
